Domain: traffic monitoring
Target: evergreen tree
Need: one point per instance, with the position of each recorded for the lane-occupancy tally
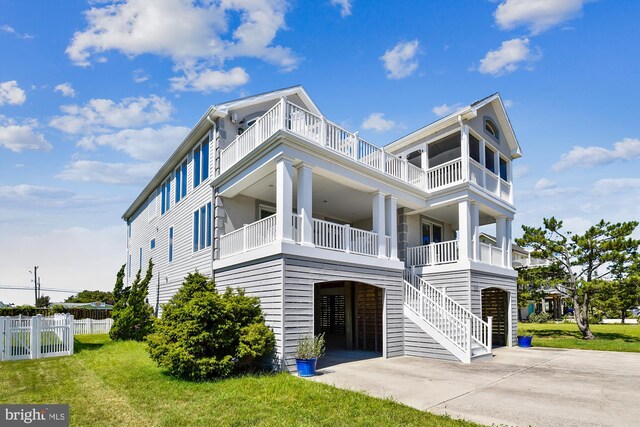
(132, 316)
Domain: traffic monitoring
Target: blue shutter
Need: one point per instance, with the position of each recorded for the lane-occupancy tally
(209, 224)
(205, 160)
(203, 227)
(153, 243)
(171, 244)
(196, 223)
(184, 179)
(196, 167)
(163, 197)
(178, 185)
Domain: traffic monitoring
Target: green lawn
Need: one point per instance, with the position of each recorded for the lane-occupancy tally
(115, 383)
(567, 335)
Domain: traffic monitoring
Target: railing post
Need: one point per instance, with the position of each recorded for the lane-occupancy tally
(356, 145)
(244, 238)
(283, 107)
(464, 150)
(35, 337)
(468, 337)
(405, 170)
(71, 333)
(90, 325)
(421, 299)
(490, 333)
(323, 131)
(383, 160)
(2, 337)
(432, 254)
(347, 238)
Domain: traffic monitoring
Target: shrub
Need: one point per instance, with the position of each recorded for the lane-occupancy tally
(132, 316)
(595, 318)
(539, 317)
(310, 347)
(204, 334)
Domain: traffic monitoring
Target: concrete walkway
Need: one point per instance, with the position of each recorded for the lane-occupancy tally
(518, 387)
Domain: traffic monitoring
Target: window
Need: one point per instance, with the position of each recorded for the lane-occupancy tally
(503, 169)
(181, 181)
(265, 211)
(474, 148)
(489, 160)
(201, 163)
(170, 244)
(153, 243)
(491, 129)
(166, 196)
(202, 228)
(431, 233)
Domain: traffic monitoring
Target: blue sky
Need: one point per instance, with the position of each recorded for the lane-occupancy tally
(93, 96)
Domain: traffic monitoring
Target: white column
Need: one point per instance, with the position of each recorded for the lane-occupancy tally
(284, 199)
(475, 230)
(501, 235)
(424, 159)
(464, 151)
(509, 246)
(379, 222)
(496, 166)
(305, 204)
(464, 230)
(391, 223)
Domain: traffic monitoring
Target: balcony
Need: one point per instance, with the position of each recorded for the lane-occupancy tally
(316, 129)
(326, 235)
(447, 253)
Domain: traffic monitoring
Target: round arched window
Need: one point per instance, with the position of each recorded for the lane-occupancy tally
(491, 128)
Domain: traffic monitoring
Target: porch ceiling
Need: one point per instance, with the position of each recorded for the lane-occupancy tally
(330, 198)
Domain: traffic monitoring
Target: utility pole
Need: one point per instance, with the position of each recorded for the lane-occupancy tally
(35, 281)
(39, 293)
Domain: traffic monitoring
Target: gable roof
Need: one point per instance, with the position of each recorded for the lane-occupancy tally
(468, 112)
(202, 126)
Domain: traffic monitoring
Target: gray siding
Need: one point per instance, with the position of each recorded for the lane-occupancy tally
(456, 284)
(262, 279)
(419, 343)
(480, 281)
(300, 275)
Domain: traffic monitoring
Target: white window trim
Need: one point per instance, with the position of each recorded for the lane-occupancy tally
(207, 224)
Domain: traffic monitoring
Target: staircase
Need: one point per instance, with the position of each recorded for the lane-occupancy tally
(461, 332)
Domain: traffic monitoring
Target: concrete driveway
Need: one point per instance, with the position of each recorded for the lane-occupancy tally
(519, 387)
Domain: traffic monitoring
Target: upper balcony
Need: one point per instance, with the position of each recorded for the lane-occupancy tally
(316, 129)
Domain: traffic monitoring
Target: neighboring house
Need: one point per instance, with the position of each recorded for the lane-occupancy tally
(96, 305)
(3, 305)
(379, 248)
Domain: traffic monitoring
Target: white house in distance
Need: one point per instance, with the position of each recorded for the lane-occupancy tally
(379, 248)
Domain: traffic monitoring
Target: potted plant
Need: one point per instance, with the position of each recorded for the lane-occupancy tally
(310, 349)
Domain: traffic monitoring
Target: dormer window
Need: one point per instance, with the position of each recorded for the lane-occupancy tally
(491, 128)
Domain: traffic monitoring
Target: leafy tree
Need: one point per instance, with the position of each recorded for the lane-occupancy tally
(88, 296)
(204, 334)
(43, 301)
(132, 316)
(579, 262)
(622, 292)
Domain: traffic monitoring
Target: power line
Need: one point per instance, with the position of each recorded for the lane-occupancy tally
(29, 288)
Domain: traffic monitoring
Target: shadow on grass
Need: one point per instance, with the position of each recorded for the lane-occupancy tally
(80, 346)
(559, 333)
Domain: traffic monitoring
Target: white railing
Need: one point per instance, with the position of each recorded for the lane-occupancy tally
(443, 175)
(491, 255)
(363, 242)
(36, 337)
(255, 134)
(329, 235)
(455, 322)
(433, 254)
(90, 326)
(250, 236)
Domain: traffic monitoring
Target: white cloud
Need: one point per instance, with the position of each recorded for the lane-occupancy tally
(444, 109)
(537, 15)
(9, 29)
(507, 103)
(377, 123)
(65, 89)
(400, 61)
(616, 185)
(195, 35)
(18, 137)
(627, 149)
(344, 6)
(10, 93)
(141, 144)
(139, 75)
(102, 114)
(24, 192)
(544, 184)
(29, 196)
(108, 173)
(509, 57)
(208, 80)
(520, 171)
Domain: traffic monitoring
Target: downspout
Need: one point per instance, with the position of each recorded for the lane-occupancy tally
(213, 200)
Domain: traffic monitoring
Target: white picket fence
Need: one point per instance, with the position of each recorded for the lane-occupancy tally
(36, 337)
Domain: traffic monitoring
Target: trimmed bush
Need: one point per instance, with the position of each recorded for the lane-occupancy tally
(204, 334)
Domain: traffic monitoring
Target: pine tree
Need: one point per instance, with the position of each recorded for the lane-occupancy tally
(132, 316)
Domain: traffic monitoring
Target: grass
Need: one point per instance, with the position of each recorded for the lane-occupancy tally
(115, 383)
(566, 335)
